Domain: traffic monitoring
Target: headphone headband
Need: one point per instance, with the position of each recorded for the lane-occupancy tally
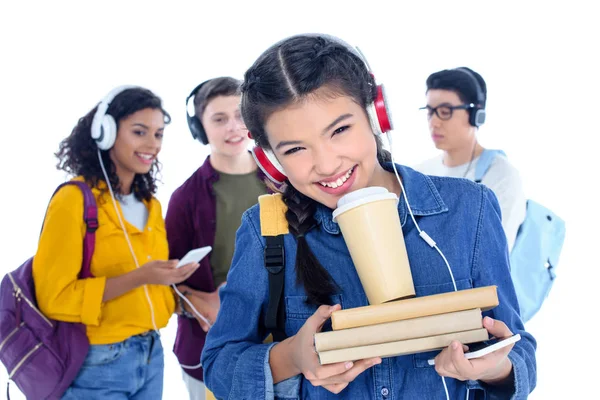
(478, 90)
(104, 127)
(477, 113)
(194, 123)
(195, 91)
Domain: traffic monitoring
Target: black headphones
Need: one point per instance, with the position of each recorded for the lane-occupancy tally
(477, 111)
(193, 121)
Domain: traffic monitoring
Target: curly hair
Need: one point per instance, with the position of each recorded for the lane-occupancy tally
(78, 153)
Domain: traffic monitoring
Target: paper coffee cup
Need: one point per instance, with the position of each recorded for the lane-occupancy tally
(370, 224)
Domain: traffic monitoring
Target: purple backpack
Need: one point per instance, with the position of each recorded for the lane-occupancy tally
(43, 356)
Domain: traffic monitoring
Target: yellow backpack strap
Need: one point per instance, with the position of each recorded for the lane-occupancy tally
(273, 226)
(272, 215)
(208, 395)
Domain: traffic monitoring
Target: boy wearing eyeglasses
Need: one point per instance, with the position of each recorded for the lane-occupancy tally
(455, 110)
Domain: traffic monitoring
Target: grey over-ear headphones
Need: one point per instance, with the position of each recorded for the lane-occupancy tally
(477, 111)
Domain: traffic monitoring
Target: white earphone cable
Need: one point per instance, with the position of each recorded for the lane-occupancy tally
(137, 265)
(422, 233)
(424, 236)
(112, 195)
(206, 321)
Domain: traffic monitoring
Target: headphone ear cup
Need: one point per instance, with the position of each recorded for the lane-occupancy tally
(480, 117)
(372, 113)
(379, 113)
(108, 133)
(268, 163)
(477, 117)
(197, 130)
(200, 132)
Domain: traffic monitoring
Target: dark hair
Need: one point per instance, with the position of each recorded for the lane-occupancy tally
(287, 73)
(461, 81)
(78, 153)
(223, 86)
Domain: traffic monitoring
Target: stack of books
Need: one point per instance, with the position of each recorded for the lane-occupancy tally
(406, 326)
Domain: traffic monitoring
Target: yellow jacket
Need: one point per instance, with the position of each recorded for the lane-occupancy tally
(56, 265)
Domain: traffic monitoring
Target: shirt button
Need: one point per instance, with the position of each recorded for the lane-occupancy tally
(149, 257)
(385, 392)
(149, 229)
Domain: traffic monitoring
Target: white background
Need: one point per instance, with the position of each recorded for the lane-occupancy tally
(58, 59)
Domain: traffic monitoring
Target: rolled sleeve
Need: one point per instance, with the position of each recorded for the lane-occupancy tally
(288, 389)
(520, 371)
(519, 389)
(91, 307)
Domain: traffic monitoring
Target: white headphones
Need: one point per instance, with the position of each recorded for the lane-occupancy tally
(104, 126)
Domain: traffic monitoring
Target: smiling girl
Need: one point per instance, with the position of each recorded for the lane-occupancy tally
(126, 301)
(305, 100)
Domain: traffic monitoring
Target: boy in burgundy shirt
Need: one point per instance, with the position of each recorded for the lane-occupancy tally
(206, 210)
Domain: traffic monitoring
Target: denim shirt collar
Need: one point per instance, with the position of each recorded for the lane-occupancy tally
(422, 195)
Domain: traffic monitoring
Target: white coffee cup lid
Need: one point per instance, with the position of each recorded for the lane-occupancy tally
(360, 197)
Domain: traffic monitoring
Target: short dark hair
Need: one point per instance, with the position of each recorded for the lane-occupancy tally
(222, 86)
(460, 81)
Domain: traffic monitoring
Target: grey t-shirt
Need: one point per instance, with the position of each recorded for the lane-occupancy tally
(234, 195)
(504, 180)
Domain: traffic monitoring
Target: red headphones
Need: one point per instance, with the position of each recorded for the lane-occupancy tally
(379, 117)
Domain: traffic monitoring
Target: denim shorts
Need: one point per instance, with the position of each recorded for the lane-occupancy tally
(131, 369)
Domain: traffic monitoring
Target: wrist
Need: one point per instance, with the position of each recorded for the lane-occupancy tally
(505, 375)
(182, 310)
(288, 348)
(282, 361)
(138, 276)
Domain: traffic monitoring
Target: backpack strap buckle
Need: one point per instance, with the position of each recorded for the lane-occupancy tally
(274, 256)
(91, 224)
(91, 218)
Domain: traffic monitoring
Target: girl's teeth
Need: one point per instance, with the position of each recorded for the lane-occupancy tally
(339, 182)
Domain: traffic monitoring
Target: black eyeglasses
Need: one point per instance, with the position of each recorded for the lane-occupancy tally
(444, 111)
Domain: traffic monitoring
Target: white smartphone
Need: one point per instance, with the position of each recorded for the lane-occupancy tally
(194, 256)
(480, 352)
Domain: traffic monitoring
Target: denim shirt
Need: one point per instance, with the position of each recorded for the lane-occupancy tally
(462, 217)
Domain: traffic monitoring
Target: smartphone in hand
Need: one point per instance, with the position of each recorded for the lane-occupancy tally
(481, 349)
(195, 255)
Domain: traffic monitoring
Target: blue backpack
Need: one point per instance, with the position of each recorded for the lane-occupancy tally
(535, 254)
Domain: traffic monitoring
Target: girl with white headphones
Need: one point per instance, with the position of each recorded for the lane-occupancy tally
(114, 149)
